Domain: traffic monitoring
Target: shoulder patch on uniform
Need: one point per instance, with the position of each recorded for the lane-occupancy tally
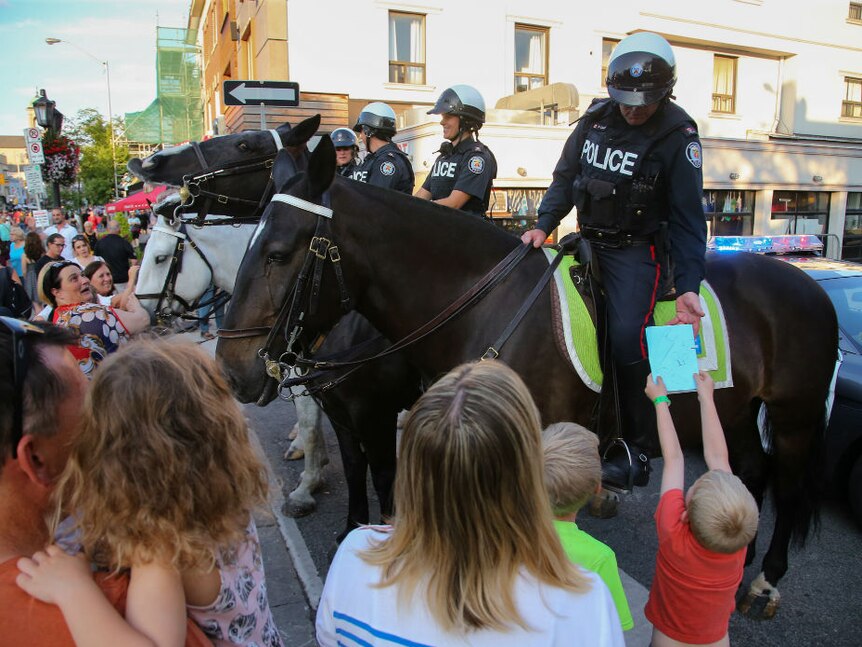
(387, 168)
(476, 164)
(694, 154)
(689, 131)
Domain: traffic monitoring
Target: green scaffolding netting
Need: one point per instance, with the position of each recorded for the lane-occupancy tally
(176, 115)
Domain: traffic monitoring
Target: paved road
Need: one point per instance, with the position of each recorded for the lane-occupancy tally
(821, 601)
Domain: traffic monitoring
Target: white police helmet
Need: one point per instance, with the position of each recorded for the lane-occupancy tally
(641, 70)
(378, 118)
(463, 101)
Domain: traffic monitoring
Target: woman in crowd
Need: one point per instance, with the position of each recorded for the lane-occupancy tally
(102, 283)
(16, 250)
(83, 253)
(163, 486)
(471, 557)
(103, 328)
(34, 249)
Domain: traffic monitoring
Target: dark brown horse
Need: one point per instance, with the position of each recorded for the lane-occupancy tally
(231, 175)
(405, 260)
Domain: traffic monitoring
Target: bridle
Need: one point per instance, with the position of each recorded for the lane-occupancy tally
(195, 185)
(292, 313)
(168, 292)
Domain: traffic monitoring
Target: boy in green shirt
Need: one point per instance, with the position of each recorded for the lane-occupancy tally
(573, 473)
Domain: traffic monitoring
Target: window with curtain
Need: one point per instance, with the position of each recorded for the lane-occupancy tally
(852, 243)
(531, 57)
(406, 48)
(852, 104)
(855, 11)
(608, 45)
(724, 84)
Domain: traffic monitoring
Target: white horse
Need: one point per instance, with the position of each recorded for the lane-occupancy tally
(180, 261)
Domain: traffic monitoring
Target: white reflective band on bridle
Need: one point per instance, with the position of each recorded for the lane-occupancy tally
(277, 139)
(170, 232)
(318, 209)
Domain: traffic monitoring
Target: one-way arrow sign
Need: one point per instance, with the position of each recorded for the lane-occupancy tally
(268, 93)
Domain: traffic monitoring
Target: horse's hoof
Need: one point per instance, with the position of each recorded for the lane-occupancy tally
(299, 507)
(604, 504)
(762, 600)
(294, 454)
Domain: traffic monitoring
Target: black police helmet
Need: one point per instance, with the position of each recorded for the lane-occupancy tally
(641, 70)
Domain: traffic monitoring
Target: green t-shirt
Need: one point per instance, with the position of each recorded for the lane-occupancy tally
(593, 555)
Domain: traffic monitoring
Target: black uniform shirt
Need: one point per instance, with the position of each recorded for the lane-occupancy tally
(348, 169)
(386, 167)
(471, 168)
(679, 157)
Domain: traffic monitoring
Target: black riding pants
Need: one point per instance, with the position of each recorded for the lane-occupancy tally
(630, 277)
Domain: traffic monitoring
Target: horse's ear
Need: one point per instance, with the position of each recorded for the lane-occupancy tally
(301, 132)
(283, 170)
(321, 166)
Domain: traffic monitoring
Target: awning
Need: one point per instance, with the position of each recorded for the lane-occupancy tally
(141, 200)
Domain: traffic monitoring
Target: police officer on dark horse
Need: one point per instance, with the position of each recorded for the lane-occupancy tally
(462, 174)
(385, 165)
(632, 167)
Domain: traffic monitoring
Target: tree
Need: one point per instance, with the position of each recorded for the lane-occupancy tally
(93, 135)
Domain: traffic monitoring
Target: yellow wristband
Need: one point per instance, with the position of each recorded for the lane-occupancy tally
(661, 398)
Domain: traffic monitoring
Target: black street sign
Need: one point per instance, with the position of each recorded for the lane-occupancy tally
(255, 93)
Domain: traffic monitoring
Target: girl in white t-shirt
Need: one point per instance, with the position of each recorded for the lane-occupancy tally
(471, 557)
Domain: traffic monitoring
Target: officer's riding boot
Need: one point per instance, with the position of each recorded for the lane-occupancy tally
(626, 461)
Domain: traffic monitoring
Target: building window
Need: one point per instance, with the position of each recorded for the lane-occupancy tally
(851, 247)
(724, 84)
(855, 11)
(608, 45)
(800, 212)
(729, 213)
(852, 104)
(406, 48)
(531, 57)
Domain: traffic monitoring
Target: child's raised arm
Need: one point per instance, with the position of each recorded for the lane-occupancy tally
(155, 604)
(673, 474)
(714, 444)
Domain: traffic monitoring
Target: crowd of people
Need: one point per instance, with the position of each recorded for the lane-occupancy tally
(129, 481)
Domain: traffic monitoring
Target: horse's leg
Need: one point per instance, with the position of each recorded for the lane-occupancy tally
(355, 469)
(300, 501)
(307, 417)
(377, 428)
(795, 439)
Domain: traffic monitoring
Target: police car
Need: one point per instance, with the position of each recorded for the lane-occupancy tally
(842, 281)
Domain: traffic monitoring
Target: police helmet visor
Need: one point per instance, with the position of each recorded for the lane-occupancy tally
(448, 103)
(385, 125)
(639, 78)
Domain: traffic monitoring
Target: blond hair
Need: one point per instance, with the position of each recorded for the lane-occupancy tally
(573, 469)
(163, 467)
(722, 512)
(471, 511)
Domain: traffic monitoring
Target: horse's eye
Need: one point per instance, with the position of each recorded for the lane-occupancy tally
(277, 258)
(243, 146)
(161, 258)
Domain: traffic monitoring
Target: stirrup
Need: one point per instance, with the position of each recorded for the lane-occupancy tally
(639, 462)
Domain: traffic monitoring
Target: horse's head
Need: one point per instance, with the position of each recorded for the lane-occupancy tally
(280, 251)
(233, 171)
(173, 275)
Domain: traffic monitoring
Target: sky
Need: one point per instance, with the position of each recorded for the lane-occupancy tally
(121, 32)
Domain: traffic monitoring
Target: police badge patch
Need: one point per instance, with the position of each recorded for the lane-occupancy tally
(476, 164)
(387, 168)
(694, 154)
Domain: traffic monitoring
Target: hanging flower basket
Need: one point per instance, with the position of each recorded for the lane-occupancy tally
(61, 159)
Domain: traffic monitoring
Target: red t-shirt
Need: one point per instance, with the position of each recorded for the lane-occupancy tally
(27, 621)
(693, 591)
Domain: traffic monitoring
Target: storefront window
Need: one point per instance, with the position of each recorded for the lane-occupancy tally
(800, 212)
(515, 210)
(729, 213)
(851, 247)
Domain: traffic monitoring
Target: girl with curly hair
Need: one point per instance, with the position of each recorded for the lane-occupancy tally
(162, 482)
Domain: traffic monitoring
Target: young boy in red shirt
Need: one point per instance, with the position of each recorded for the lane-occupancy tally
(702, 537)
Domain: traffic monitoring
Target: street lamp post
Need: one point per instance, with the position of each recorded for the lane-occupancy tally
(54, 41)
(49, 118)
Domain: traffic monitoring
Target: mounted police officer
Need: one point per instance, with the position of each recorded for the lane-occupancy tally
(632, 167)
(462, 174)
(346, 151)
(385, 165)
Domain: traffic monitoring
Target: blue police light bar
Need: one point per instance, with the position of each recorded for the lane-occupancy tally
(766, 244)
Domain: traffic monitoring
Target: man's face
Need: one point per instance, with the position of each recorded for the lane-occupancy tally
(57, 216)
(450, 124)
(638, 115)
(55, 248)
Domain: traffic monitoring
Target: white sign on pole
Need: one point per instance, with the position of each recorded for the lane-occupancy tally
(42, 219)
(32, 135)
(34, 152)
(33, 175)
